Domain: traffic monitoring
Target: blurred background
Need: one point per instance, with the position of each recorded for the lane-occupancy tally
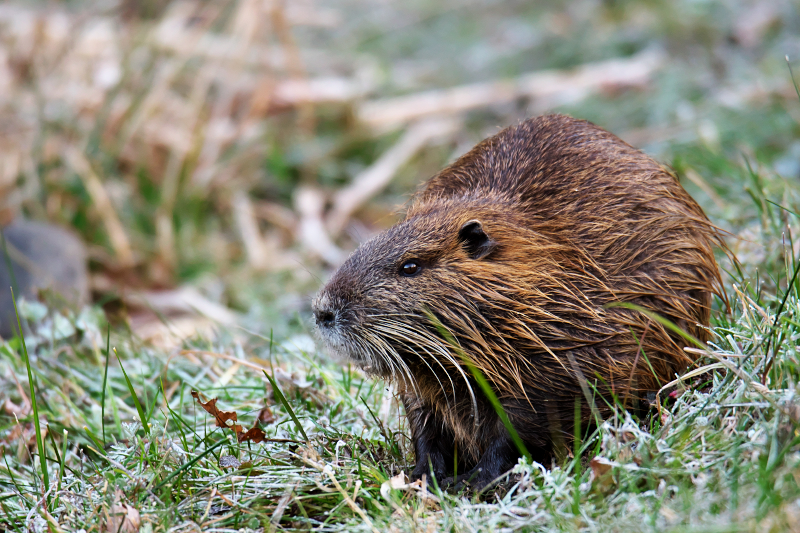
(217, 159)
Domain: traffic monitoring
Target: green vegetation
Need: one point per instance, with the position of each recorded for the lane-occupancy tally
(98, 428)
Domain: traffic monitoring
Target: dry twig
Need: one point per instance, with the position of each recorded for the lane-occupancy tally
(244, 214)
(375, 178)
(311, 232)
(550, 87)
(183, 300)
(116, 233)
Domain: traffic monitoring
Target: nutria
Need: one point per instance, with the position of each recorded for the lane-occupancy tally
(510, 262)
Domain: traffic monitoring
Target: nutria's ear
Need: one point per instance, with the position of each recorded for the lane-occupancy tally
(477, 244)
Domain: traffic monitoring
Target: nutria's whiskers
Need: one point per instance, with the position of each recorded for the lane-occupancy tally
(435, 349)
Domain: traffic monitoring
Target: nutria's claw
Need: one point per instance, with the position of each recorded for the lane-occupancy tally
(471, 487)
(449, 482)
(473, 482)
(462, 484)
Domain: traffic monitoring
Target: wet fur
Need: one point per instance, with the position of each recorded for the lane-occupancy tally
(569, 220)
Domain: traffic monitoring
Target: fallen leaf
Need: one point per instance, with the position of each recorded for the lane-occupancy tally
(222, 417)
(12, 409)
(265, 416)
(399, 481)
(601, 478)
(418, 487)
(228, 419)
(668, 513)
(254, 434)
(122, 518)
(600, 466)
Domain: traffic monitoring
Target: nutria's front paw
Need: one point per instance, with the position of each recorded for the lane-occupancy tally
(430, 471)
(475, 481)
(475, 485)
(447, 483)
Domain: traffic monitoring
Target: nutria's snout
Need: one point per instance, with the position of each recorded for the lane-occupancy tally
(329, 316)
(324, 314)
(325, 318)
(336, 324)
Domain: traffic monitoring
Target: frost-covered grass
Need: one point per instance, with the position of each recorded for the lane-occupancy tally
(722, 453)
(723, 456)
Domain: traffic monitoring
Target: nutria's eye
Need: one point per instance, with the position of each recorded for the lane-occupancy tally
(410, 268)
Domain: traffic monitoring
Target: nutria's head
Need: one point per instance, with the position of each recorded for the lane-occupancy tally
(378, 307)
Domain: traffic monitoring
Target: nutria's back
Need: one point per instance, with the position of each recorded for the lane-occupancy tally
(514, 258)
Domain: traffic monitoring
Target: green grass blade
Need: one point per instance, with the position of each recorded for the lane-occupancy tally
(176, 419)
(100, 446)
(34, 406)
(8, 262)
(485, 386)
(498, 407)
(782, 306)
(139, 408)
(62, 459)
(281, 398)
(191, 463)
(105, 382)
(661, 320)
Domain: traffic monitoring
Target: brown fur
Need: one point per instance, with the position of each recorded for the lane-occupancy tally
(569, 219)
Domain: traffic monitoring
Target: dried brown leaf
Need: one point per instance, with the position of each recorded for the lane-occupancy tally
(122, 518)
(222, 417)
(601, 477)
(254, 434)
(266, 416)
(12, 409)
(228, 419)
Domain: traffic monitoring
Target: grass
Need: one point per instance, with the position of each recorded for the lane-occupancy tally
(97, 426)
(723, 455)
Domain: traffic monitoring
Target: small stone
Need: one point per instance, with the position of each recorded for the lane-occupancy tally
(229, 461)
(42, 256)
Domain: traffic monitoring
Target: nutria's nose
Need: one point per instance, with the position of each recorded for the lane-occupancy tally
(325, 318)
